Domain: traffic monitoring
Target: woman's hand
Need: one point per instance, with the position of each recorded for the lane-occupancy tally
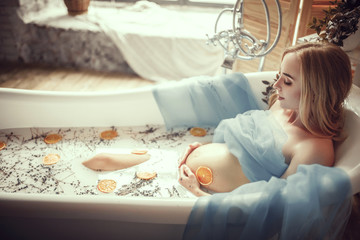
(188, 179)
(187, 152)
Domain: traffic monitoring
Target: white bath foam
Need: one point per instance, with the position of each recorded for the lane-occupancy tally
(84, 174)
(165, 184)
(22, 169)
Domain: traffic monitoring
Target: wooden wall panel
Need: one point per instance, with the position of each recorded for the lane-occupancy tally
(311, 9)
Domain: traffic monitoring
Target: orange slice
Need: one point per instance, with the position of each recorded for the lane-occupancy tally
(52, 138)
(106, 185)
(204, 175)
(2, 145)
(146, 175)
(198, 132)
(139, 151)
(108, 135)
(51, 159)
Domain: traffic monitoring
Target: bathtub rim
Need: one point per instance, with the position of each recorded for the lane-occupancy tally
(76, 93)
(63, 109)
(127, 209)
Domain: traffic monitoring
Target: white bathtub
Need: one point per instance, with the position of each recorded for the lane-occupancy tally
(50, 216)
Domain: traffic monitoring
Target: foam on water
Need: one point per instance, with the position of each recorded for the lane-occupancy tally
(22, 170)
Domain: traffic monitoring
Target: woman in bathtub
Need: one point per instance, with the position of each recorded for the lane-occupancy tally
(314, 81)
(304, 119)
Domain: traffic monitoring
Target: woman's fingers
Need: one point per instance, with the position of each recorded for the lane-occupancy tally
(188, 151)
(182, 175)
(195, 145)
(186, 176)
(188, 180)
(187, 170)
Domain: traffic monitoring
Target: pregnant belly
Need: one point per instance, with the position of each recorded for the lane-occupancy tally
(227, 172)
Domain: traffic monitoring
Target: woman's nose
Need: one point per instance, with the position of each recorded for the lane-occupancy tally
(277, 84)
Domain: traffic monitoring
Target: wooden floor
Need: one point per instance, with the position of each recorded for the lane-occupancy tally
(38, 77)
(62, 79)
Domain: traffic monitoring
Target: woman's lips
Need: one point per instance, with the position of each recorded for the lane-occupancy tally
(280, 98)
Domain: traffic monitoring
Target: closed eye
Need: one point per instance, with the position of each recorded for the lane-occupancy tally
(287, 77)
(287, 82)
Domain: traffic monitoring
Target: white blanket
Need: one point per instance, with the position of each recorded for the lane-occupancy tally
(161, 44)
(158, 43)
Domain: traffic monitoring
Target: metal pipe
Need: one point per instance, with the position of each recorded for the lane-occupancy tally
(236, 36)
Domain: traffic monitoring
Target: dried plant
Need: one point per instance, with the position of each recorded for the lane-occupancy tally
(339, 22)
(269, 90)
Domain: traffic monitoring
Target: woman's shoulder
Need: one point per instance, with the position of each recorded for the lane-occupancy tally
(310, 150)
(313, 149)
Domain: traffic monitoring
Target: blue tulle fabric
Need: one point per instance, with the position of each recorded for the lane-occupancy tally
(313, 203)
(204, 101)
(256, 139)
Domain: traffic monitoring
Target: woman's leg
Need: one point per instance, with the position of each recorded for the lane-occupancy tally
(111, 162)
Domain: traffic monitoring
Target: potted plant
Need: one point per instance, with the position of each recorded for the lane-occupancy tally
(77, 7)
(339, 22)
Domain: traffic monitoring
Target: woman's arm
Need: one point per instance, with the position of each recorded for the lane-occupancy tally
(188, 179)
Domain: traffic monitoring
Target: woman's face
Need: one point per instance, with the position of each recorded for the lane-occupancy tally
(288, 86)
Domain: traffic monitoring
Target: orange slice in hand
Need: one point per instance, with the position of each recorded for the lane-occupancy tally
(146, 175)
(204, 175)
(198, 132)
(2, 145)
(108, 135)
(51, 159)
(52, 138)
(139, 151)
(106, 185)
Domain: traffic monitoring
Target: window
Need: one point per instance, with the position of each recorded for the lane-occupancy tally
(227, 2)
(205, 3)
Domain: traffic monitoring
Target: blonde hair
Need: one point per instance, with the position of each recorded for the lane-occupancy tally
(325, 83)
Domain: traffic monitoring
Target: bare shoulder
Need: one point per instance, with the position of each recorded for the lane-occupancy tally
(315, 150)
(311, 151)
